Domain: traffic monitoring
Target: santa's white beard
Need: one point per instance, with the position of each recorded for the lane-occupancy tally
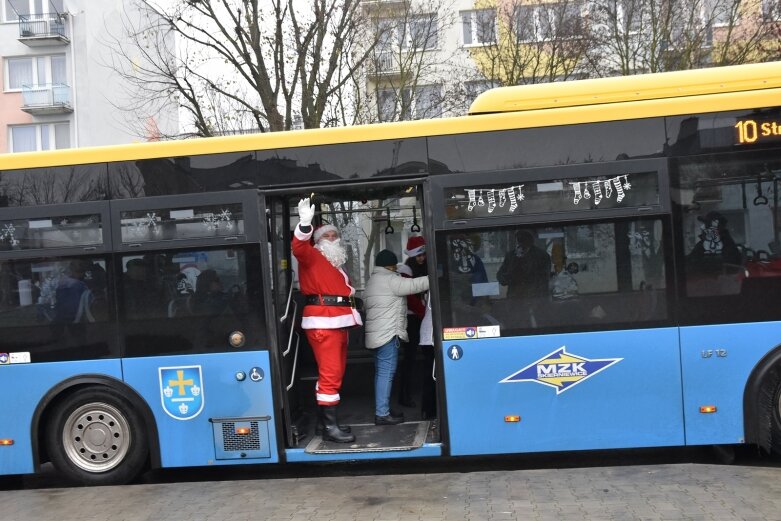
(333, 251)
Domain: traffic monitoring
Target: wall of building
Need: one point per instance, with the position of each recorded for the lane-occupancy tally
(96, 90)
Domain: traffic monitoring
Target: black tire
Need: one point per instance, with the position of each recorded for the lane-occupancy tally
(769, 410)
(95, 437)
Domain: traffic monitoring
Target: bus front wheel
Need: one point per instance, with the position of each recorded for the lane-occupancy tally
(95, 437)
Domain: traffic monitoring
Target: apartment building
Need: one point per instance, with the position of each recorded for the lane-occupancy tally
(59, 88)
(433, 57)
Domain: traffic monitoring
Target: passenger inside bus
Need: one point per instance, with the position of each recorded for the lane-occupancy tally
(366, 224)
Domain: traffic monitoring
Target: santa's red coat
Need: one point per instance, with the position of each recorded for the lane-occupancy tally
(317, 276)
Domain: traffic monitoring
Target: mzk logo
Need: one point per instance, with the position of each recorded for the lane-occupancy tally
(560, 370)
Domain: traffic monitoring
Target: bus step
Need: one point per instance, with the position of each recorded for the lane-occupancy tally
(375, 438)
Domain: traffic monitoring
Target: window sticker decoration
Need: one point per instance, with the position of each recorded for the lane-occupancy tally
(146, 224)
(504, 194)
(212, 220)
(585, 189)
(8, 233)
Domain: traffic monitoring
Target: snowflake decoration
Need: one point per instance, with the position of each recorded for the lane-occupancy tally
(148, 223)
(212, 221)
(9, 233)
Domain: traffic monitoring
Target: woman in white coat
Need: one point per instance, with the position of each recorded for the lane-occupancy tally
(386, 325)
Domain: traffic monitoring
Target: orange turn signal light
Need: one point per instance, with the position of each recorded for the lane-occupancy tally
(707, 408)
(512, 418)
(6, 441)
(243, 430)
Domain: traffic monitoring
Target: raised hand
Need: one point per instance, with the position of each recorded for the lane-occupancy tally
(306, 212)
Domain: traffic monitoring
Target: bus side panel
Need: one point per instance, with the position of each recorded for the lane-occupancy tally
(613, 389)
(22, 387)
(190, 438)
(717, 361)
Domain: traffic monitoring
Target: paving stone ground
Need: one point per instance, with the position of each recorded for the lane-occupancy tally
(687, 491)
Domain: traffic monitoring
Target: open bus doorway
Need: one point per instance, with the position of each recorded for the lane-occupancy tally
(369, 219)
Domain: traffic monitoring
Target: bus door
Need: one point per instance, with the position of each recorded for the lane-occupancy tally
(287, 312)
(370, 217)
(555, 296)
(188, 272)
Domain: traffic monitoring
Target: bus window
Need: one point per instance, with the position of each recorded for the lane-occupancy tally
(728, 208)
(55, 308)
(563, 277)
(556, 195)
(53, 185)
(189, 222)
(191, 301)
(51, 232)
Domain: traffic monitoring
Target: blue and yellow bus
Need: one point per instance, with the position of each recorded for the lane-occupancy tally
(605, 260)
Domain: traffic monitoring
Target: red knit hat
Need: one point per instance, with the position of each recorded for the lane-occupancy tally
(415, 246)
(320, 230)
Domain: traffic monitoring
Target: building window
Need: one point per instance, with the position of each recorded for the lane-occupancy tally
(720, 13)
(479, 26)
(47, 136)
(35, 71)
(423, 32)
(536, 23)
(416, 32)
(16, 8)
(405, 104)
(630, 16)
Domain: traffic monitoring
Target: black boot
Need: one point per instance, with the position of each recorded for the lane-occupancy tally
(319, 424)
(331, 431)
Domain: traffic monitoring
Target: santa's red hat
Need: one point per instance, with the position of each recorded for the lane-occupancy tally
(415, 246)
(320, 230)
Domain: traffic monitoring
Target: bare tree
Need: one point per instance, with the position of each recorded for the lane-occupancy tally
(407, 70)
(243, 64)
(640, 36)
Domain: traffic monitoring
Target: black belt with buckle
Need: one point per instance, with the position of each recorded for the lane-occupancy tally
(332, 300)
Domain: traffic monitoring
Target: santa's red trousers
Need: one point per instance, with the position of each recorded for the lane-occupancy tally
(330, 349)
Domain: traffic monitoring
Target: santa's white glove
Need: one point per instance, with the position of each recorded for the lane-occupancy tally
(306, 212)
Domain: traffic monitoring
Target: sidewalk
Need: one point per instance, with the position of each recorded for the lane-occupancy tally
(645, 492)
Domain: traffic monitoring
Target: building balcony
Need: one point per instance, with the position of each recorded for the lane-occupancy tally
(38, 30)
(43, 100)
(384, 64)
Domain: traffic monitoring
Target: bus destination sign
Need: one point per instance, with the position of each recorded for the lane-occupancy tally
(750, 131)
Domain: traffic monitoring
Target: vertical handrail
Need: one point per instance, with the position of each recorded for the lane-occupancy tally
(287, 306)
(295, 365)
(292, 329)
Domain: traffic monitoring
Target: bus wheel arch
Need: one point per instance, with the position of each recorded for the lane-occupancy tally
(762, 404)
(119, 404)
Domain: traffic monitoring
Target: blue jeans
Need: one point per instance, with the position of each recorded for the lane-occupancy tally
(385, 359)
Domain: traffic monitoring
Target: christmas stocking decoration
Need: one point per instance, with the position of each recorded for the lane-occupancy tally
(597, 193)
(578, 195)
(513, 201)
(471, 200)
(491, 201)
(502, 197)
(619, 189)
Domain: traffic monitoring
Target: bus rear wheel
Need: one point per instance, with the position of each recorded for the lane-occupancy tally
(96, 438)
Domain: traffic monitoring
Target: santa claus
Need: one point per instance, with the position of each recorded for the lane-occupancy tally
(328, 313)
